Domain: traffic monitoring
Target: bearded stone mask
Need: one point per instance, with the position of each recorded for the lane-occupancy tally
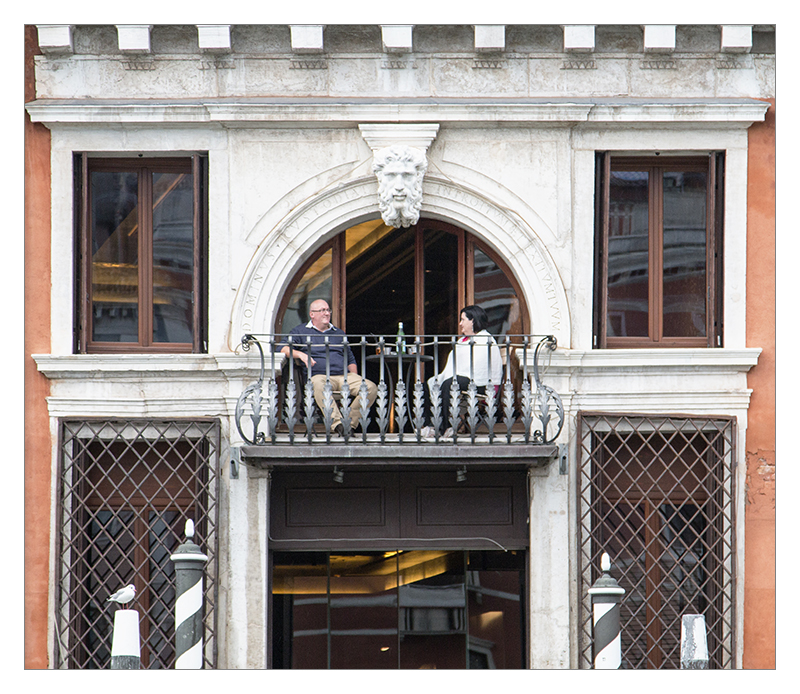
(400, 169)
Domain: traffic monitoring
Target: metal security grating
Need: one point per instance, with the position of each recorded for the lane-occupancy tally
(127, 489)
(657, 494)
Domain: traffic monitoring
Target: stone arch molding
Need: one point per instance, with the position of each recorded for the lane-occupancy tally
(278, 256)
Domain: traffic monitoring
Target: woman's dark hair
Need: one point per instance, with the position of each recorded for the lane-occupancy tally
(480, 321)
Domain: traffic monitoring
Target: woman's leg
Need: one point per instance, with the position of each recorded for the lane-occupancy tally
(463, 384)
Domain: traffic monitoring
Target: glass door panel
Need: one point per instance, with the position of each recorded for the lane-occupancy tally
(363, 610)
(494, 292)
(300, 610)
(441, 293)
(315, 283)
(495, 592)
(433, 614)
(379, 282)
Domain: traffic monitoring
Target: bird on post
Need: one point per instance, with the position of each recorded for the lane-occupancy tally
(124, 595)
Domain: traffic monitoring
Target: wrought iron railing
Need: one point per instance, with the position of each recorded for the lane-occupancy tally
(280, 406)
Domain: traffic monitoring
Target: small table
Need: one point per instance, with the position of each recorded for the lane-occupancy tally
(394, 359)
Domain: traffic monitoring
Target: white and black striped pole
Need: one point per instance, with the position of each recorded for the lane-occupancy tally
(606, 595)
(125, 651)
(189, 565)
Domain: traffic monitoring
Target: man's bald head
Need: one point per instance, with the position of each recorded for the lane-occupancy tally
(320, 314)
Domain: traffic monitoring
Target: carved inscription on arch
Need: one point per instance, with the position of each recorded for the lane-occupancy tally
(302, 231)
(289, 235)
(526, 245)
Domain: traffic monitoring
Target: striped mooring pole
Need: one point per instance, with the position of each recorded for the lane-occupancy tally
(606, 595)
(189, 565)
(125, 651)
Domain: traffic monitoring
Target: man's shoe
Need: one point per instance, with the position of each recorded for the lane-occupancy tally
(427, 433)
(448, 433)
(338, 431)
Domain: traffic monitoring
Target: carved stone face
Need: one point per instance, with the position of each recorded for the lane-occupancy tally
(400, 170)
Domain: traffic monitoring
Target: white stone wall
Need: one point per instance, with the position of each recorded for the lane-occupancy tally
(289, 168)
(533, 61)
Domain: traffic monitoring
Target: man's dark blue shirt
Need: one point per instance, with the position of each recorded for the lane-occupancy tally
(305, 337)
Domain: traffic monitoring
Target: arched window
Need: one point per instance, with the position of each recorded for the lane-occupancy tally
(375, 276)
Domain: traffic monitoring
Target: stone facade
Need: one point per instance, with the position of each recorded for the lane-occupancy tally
(284, 114)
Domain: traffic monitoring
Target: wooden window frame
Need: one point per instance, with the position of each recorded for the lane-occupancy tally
(195, 164)
(713, 165)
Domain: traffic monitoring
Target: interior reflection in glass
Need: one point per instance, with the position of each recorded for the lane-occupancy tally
(628, 254)
(400, 609)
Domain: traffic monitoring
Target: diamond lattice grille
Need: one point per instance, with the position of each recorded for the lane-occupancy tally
(127, 489)
(656, 494)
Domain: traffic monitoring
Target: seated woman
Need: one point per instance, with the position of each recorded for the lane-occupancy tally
(470, 357)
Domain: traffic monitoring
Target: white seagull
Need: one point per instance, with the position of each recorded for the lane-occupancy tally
(124, 595)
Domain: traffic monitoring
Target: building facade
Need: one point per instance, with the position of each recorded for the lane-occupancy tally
(606, 193)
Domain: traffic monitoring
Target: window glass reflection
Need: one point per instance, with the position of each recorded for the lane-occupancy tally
(173, 247)
(628, 254)
(495, 293)
(315, 284)
(427, 609)
(115, 256)
(684, 254)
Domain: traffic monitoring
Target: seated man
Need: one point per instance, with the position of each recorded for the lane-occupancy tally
(342, 365)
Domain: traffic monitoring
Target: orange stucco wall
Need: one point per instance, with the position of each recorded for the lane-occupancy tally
(37, 340)
(759, 581)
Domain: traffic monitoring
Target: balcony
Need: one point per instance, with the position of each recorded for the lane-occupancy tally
(279, 408)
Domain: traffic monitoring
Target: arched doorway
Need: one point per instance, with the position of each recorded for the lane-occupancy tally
(423, 573)
(376, 276)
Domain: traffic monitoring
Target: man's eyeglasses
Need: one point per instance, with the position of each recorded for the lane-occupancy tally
(320, 310)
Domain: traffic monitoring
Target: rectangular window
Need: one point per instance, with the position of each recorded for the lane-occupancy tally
(658, 270)
(657, 495)
(127, 489)
(141, 256)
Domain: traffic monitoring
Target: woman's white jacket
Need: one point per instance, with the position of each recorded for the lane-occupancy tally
(473, 352)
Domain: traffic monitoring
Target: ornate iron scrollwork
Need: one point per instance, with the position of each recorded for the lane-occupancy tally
(546, 404)
(251, 398)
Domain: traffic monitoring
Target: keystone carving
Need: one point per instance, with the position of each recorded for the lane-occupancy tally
(399, 169)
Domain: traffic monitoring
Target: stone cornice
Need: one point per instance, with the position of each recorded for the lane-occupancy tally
(88, 367)
(208, 366)
(615, 361)
(282, 111)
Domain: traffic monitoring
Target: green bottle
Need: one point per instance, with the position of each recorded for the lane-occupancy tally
(401, 339)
